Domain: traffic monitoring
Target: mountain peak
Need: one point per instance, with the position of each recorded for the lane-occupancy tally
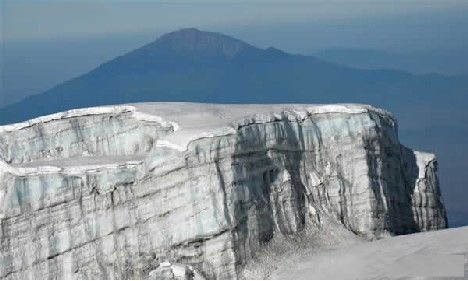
(194, 42)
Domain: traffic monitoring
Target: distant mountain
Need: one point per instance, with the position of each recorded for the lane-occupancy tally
(192, 65)
(197, 66)
(442, 61)
(31, 67)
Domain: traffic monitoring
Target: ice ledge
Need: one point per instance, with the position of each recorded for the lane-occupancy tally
(192, 121)
(70, 170)
(423, 159)
(91, 111)
(198, 120)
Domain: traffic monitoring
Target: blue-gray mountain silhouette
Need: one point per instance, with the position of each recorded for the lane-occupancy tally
(197, 66)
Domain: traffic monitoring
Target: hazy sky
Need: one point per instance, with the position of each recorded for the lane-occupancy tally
(45, 42)
(393, 24)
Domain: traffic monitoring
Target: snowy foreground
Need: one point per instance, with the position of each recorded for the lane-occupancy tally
(430, 255)
(186, 190)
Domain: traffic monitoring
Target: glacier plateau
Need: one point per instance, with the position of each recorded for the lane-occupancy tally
(198, 190)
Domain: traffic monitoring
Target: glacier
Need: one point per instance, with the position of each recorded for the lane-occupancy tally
(188, 190)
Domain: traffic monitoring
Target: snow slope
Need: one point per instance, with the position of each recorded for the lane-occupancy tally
(435, 254)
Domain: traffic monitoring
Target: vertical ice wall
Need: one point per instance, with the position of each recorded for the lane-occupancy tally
(211, 206)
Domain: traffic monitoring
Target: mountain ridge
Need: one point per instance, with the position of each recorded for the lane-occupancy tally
(199, 66)
(447, 63)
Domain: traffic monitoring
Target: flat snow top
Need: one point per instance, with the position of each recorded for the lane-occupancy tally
(435, 254)
(191, 115)
(196, 120)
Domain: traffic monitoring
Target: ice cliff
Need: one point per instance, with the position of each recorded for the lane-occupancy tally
(182, 190)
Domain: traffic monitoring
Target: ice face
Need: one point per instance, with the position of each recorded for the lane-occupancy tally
(113, 192)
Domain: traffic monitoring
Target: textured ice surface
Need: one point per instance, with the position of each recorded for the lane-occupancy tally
(209, 120)
(113, 192)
